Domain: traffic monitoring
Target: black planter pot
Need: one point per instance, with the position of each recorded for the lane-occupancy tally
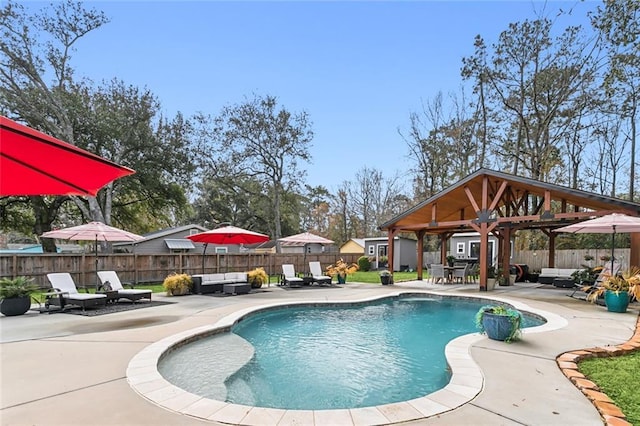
(385, 280)
(15, 306)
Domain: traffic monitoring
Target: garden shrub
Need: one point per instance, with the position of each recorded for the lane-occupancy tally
(364, 264)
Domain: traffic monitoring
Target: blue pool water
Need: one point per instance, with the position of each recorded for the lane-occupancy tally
(315, 358)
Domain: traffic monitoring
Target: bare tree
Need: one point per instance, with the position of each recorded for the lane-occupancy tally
(257, 139)
(619, 26)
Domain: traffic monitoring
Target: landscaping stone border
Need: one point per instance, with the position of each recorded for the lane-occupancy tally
(611, 414)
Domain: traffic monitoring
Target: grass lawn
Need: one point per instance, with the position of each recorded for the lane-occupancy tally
(618, 377)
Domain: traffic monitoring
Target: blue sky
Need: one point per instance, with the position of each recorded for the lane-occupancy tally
(358, 68)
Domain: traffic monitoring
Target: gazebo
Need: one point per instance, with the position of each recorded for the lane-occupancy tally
(492, 202)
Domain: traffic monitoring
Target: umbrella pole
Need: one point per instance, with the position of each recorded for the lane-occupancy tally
(203, 253)
(304, 259)
(613, 244)
(97, 285)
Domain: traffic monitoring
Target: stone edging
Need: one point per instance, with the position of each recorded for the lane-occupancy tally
(568, 364)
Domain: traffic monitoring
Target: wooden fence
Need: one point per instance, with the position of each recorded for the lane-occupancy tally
(147, 268)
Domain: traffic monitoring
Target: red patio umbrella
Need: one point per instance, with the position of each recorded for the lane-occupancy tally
(33, 163)
(227, 235)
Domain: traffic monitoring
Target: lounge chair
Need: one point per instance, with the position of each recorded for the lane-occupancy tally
(289, 276)
(587, 289)
(110, 280)
(316, 274)
(66, 293)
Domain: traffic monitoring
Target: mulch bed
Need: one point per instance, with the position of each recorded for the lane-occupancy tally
(103, 310)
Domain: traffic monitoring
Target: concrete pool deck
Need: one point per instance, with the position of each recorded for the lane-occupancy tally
(69, 369)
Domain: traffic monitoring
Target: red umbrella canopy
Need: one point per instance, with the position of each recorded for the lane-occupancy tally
(305, 238)
(93, 231)
(229, 235)
(33, 163)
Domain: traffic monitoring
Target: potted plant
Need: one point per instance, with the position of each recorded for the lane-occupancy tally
(15, 295)
(501, 280)
(177, 284)
(450, 260)
(491, 278)
(618, 290)
(587, 275)
(385, 277)
(257, 277)
(341, 269)
(499, 322)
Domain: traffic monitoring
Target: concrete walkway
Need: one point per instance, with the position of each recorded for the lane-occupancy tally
(68, 369)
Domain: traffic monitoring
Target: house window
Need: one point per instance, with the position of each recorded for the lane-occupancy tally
(371, 250)
(221, 250)
(460, 248)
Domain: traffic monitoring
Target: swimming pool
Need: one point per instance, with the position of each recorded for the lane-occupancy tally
(317, 357)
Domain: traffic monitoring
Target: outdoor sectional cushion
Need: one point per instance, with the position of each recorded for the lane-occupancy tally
(213, 283)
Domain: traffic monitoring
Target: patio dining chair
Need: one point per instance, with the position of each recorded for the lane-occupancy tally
(460, 273)
(437, 273)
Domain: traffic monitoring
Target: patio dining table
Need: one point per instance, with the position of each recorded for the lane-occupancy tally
(450, 270)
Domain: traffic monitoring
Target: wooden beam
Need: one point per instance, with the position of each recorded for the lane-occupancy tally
(472, 200)
(498, 195)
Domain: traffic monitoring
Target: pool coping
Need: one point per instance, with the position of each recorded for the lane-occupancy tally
(467, 379)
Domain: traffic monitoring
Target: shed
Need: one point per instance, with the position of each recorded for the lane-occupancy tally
(353, 246)
(404, 252)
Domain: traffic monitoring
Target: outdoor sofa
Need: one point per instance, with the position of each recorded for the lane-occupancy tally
(557, 276)
(229, 282)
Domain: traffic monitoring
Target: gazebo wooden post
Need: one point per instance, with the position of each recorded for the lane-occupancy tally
(506, 251)
(443, 248)
(634, 256)
(420, 235)
(484, 244)
(552, 250)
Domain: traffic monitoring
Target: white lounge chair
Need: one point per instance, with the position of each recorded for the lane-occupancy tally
(109, 279)
(66, 293)
(289, 276)
(317, 275)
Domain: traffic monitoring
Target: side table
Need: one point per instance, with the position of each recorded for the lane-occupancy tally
(112, 295)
